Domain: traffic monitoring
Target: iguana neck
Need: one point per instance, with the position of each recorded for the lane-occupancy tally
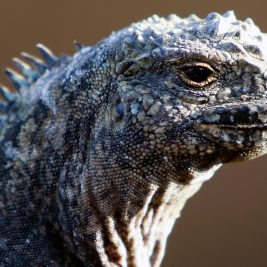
(123, 239)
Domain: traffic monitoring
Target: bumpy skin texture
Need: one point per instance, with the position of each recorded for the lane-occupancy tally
(99, 154)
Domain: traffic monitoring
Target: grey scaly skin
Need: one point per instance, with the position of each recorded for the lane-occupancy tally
(100, 151)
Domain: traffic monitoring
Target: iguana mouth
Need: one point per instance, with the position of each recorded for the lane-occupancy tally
(238, 126)
(243, 116)
(253, 127)
(236, 137)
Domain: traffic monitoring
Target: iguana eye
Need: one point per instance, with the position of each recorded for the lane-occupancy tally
(197, 74)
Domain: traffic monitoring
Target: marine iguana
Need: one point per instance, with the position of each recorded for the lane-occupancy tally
(100, 150)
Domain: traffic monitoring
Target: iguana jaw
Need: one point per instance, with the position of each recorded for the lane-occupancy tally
(238, 128)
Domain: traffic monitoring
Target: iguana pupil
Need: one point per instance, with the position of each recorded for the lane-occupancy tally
(197, 74)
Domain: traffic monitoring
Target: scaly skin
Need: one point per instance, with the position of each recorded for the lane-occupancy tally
(100, 151)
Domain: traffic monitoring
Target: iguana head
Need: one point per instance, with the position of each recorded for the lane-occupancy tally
(191, 89)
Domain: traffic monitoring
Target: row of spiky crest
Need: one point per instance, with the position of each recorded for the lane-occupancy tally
(223, 30)
(31, 70)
